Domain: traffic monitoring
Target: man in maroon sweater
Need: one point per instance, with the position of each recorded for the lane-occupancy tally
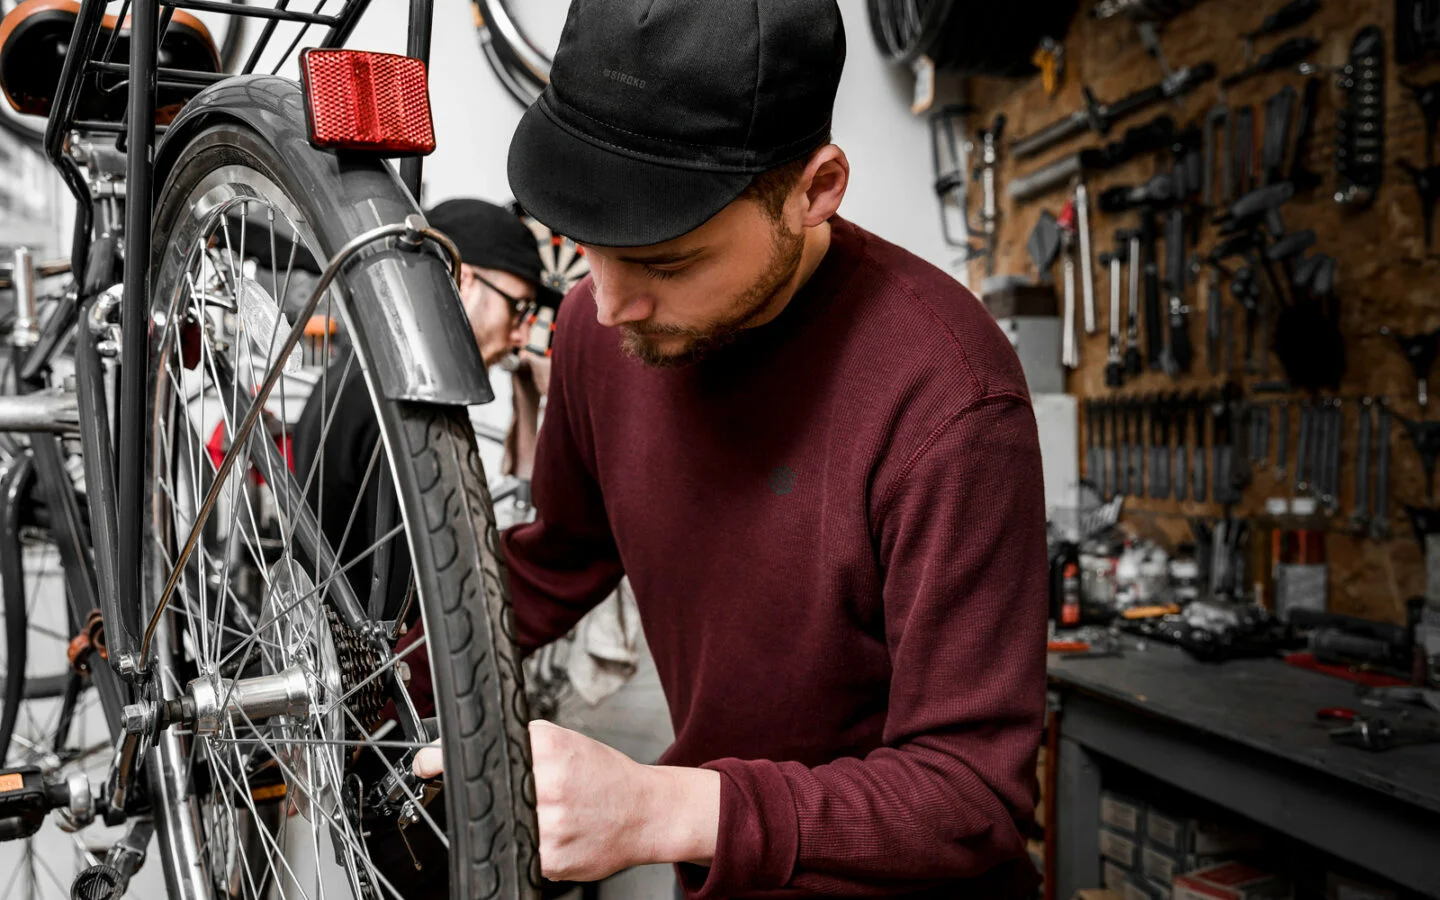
(814, 456)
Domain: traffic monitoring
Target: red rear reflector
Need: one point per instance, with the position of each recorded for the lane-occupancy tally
(378, 102)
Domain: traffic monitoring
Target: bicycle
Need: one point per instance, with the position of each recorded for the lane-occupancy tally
(244, 637)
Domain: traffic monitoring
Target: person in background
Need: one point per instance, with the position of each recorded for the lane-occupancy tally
(500, 281)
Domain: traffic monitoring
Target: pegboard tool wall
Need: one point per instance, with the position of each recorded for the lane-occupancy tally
(1384, 275)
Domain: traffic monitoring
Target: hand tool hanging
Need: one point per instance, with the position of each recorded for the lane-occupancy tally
(1180, 418)
(987, 173)
(950, 157)
(1420, 351)
(1286, 55)
(1156, 134)
(1425, 436)
(1069, 342)
(1360, 123)
(1134, 262)
(1177, 353)
(1282, 440)
(1043, 246)
(1360, 517)
(1426, 179)
(1160, 191)
(1380, 522)
(1291, 15)
(1199, 409)
(1114, 365)
(1301, 175)
(1159, 449)
(1100, 117)
(1119, 479)
(1417, 30)
(1279, 110)
(1094, 466)
(1083, 246)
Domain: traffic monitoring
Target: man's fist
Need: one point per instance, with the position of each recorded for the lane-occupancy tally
(600, 811)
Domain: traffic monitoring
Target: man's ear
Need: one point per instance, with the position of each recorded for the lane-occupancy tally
(826, 177)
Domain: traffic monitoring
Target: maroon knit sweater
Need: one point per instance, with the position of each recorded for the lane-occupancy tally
(835, 532)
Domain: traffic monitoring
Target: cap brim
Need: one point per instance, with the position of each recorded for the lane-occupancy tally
(593, 195)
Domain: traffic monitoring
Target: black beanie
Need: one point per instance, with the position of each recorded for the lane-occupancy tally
(489, 237)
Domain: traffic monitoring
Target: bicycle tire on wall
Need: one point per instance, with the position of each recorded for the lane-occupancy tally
(450, 533)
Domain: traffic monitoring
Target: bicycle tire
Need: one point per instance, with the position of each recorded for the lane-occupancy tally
(451, 532)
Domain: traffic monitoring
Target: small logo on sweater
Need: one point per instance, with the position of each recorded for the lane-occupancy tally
(782, 480)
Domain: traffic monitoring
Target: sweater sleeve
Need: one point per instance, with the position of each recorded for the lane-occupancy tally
(565, 562)
(960, 538)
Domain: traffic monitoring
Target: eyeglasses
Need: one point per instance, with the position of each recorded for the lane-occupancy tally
(519, 306)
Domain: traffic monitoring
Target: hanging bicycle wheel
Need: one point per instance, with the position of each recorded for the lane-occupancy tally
(518, 41)
(313, 591)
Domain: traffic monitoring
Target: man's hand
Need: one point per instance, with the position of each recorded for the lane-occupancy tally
(600, 811)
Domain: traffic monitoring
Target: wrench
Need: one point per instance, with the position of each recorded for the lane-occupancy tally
(1133, 362)
(1302, 457)
(1087, 273)
(1337, 443)
(1197, 454)
(1069, 348)
(1380, 523)
(1182, 423)
(1282, 444)
(1360, 518)
(1114, 366)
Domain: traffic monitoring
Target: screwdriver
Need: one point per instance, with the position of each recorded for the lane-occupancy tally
(1296, 12)
(1290, 53)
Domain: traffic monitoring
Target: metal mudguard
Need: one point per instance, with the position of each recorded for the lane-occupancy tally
(419, 344)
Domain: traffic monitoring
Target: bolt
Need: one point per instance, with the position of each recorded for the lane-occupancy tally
(136, 718)
(402, 668)
(409, 815)
(127, 665)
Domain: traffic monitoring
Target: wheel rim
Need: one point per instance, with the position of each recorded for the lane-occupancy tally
(283, 799)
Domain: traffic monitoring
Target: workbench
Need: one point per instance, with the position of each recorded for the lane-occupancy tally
(1243, 735)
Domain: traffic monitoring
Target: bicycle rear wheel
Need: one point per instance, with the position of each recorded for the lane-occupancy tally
(341, 499)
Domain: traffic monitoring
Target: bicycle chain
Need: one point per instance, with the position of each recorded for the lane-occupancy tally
(358, 660)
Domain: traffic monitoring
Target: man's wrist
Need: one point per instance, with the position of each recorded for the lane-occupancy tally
(681, 815)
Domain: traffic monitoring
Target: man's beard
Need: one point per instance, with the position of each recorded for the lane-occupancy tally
(642, 340)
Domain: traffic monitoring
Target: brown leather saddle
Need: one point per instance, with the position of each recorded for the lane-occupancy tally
(35, 36)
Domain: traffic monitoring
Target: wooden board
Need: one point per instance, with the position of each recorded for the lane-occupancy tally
(1385, 275)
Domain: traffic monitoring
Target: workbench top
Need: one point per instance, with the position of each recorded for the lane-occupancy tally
(1261, 703)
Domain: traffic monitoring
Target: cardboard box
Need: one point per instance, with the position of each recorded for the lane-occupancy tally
(1113, 874)
(1163, 864)
(1122, 813)
(1230, 881)
(1121, 848)
(1184, 835)
(1138, 887)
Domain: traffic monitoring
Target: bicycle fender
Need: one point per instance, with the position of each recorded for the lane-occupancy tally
(419, 344)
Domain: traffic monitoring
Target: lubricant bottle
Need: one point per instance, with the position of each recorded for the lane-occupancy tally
(1065, 585)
